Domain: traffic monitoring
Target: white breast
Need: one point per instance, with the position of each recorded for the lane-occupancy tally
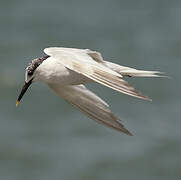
(52, 71)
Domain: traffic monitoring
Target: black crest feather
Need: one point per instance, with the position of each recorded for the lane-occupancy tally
(34, 64)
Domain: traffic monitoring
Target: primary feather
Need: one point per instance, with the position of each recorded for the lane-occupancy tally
(90, 104)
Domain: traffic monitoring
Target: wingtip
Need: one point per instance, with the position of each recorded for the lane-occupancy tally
(128, 132)
(141, 96)
(125, 131)
(148, 99)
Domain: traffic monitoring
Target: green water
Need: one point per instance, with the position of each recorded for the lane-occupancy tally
(45, 138)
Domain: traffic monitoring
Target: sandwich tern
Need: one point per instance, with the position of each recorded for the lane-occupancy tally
(66, 70)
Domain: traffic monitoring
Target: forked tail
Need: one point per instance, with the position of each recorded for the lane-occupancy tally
(131, 72)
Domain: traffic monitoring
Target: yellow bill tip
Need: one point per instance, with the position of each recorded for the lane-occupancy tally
(17, 103)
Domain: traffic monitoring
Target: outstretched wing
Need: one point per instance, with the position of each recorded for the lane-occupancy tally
(90, 104)
(81, 62)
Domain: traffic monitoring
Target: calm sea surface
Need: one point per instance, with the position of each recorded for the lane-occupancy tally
(45, 138)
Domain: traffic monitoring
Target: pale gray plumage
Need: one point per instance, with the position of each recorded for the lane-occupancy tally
(90, 104)
(65, 70)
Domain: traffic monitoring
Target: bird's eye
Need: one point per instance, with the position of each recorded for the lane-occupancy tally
(29, 70)
(30, 73)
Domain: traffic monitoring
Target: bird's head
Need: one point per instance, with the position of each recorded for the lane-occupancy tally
(30, 76)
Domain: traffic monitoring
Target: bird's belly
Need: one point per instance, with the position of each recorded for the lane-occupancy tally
(66, 77)
(72, 78)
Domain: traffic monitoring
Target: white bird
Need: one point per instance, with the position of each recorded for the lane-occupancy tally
(65, 70)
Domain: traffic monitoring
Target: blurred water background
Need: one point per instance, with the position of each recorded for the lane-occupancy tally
(45, 138)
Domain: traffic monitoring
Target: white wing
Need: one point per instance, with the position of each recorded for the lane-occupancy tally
(86, 62)
(90, 104)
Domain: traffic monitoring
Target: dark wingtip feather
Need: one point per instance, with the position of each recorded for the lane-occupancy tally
(128, 132)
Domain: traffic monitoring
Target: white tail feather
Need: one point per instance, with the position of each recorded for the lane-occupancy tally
(127, 71)
(140, 73)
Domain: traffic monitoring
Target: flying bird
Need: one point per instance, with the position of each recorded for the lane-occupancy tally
(66, 70)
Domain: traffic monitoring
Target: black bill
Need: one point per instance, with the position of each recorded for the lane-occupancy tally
(24, 89)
